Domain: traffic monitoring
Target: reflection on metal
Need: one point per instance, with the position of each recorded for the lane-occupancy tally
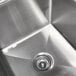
(64, 47)
(22, 55)
(27, 35)
(75, 0)
(5, 50)
(4, 2)
(50, 9)
(64, 19)
(19, 19)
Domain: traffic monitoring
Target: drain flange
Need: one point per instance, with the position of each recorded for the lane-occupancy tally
(43, 61)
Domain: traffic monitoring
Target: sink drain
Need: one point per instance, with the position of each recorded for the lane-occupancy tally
(43, 61)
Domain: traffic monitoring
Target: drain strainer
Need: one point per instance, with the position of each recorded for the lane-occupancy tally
(43, 61)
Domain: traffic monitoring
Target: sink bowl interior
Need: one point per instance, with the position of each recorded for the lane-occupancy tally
(20, 58)
(20, 18)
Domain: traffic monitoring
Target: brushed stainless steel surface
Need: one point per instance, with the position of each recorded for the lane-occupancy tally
(45, 6)
(49, 40)
(19, 19)
(64, 18)
(26, 30)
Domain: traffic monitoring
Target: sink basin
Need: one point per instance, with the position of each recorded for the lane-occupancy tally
(30, 44)
(20, 58)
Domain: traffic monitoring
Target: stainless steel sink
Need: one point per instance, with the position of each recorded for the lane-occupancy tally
(20, 58)
(30, 44)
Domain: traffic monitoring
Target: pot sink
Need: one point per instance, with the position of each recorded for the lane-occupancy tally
(49, 40)
(30, 44)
